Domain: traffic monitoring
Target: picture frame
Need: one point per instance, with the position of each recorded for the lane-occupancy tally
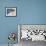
(10, 11)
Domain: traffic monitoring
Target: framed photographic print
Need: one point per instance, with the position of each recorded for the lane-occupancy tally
(10, 11)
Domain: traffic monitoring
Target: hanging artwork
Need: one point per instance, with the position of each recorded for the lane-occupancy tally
(10, 11)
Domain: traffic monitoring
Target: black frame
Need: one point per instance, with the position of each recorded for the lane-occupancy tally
(10, 7)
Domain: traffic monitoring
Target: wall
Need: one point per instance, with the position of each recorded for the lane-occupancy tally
(28, 12)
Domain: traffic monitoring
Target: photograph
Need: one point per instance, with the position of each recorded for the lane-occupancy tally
(10, 11)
